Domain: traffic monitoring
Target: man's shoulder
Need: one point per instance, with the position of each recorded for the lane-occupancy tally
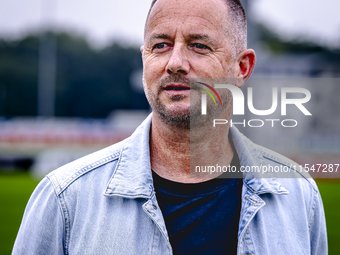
(119, 165)
(290, 169)
(270, 164)
(62, 177)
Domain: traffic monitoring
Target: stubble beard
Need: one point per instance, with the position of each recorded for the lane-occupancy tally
(176, 118)
(184, 118)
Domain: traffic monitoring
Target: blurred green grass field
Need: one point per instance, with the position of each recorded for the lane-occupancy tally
(16, 188)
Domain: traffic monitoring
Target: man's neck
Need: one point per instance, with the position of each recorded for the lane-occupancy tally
(175, 151)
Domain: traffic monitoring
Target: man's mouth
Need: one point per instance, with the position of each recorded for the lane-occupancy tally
(176, 87)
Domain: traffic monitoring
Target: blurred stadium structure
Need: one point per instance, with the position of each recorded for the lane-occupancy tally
(52, 142)
(90, 84)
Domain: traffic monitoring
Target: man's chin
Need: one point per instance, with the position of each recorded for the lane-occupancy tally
(178, 117)
(177, 114)
(175, 118)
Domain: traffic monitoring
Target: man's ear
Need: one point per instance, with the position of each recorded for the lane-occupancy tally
(141, 49)
(246, 63)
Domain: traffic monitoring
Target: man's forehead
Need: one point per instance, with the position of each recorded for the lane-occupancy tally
(179, 4)
(209, 13)
(198, 36)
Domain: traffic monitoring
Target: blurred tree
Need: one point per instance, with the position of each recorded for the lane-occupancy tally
(90, 83)
(18, 76)
(277, 44)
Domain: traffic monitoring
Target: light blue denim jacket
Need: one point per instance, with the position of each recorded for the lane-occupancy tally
(105, 203)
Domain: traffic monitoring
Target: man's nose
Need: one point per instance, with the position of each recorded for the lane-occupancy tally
(178, 62)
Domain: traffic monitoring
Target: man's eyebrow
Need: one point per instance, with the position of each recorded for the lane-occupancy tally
(203, 37)
(159, 36)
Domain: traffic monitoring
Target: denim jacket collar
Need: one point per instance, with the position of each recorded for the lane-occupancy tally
(132, 177)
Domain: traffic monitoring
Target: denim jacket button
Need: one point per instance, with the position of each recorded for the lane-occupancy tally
(154, 207)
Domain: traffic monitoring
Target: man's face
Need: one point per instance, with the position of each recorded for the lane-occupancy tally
(184, 39)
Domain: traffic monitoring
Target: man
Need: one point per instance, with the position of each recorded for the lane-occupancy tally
(106, 203)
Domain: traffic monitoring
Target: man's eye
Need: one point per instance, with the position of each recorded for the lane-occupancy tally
(200, 46)
(159, 46)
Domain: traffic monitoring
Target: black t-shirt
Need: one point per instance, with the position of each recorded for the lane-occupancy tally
(201, 218)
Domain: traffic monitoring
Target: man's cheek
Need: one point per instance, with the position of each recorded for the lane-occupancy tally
(150, 58)
(209, 71)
